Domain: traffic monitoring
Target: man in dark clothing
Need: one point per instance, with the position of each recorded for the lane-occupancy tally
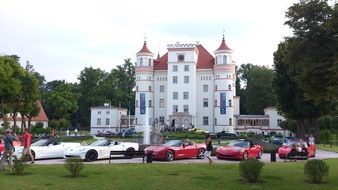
(9, 149)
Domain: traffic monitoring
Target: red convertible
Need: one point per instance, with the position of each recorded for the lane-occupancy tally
(240, 150)
(176, 149)
(286, 148)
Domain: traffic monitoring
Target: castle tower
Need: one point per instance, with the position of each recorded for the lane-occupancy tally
(224, 89)
(144, 100)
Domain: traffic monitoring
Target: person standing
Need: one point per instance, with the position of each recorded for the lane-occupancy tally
(27, 142)
(208, 144)
(9, 149)
(311, 139)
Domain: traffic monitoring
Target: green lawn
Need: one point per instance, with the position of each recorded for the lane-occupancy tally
(276, 176)
(327, 147)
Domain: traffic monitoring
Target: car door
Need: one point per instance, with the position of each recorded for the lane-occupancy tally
(252, 150)
(116, 146)
(55, 150)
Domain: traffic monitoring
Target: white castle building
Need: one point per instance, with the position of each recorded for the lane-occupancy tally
(187, 87)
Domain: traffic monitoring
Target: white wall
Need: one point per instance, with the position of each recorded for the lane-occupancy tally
(114, 116)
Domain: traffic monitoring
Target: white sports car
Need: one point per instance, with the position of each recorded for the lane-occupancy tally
(100, 149)
(47, 148)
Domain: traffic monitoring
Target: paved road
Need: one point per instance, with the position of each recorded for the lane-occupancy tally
(265, 158)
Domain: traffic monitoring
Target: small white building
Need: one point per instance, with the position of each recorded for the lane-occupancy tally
(261, 123)
(107, 118)
(40, 118)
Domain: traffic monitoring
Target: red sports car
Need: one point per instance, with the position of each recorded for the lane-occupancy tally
(239, 149)
(176, 149)
(286, 148)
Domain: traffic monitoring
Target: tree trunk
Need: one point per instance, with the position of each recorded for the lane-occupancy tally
(29, 121)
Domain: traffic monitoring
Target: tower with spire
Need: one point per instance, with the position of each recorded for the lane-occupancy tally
(224, 89)
(144, 73)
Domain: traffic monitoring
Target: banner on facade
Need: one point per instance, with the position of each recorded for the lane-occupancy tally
(142, 103)
(223, 102)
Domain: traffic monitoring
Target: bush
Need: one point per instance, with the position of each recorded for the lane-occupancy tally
(250, 169)
(74, 165)
(19, 166)
(316, 170)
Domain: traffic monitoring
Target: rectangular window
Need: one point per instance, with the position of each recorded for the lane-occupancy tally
(230, 103)
(161, 103)
(279, 121)
(174, 79)
(175, 95)
(215, 121)
(205, 102)
(150, 103)
(162, 88)
(175, 68)
(186, 79)
(136, 103)
(215, 103)
(107, 112)
(230, 121)
(98, 121)
(99, 112)
(175, 108)
(149, 88)
(107, 121)
(186, 95)
(205, 88)
(186, 67)
(186, 108)
(205, 120)
(229, 86)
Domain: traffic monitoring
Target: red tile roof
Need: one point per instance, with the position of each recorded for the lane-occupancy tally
(223, 45)
(41, 117)
(205, 60)
(144, 48)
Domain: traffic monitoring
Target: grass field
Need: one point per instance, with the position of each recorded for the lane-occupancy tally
(276, 176)
(327, 147)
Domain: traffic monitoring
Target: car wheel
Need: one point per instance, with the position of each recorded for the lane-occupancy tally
(170, 156)
(91, 156)
(129, 152)
(259, 156)
(245, 155)
(200, 153)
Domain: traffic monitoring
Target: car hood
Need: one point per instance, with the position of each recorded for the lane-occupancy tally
(156, 148)
(230, 149)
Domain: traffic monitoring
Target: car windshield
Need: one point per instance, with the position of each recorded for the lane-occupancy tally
(42, 142)
(296, 143)
(174, 143)
(239, 144)
(103, 142)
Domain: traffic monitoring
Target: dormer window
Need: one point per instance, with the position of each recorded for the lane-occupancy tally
(180, 57)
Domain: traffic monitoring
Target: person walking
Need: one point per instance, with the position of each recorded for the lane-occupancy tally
(9, 149)
(208, 144)
(27, 142)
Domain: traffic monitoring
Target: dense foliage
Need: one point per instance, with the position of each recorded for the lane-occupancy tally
(250, 169)
(315, 170)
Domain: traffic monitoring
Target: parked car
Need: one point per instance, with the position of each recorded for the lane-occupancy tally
(277, 140)
(239, 149)
(176, 149)
(225, 134)
(100, 149)
(47, 148)
(105, 134)
(284, 150)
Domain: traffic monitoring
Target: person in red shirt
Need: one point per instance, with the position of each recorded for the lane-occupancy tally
(27, 142)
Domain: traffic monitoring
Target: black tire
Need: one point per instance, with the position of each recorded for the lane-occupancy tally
(200, 153)
(91, 156)
(170, 156)
(130, 152)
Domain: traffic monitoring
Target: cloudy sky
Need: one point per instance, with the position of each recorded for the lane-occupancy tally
(62, 37)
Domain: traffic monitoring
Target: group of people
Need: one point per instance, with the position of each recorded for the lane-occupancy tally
(8, 138)
(298, 149)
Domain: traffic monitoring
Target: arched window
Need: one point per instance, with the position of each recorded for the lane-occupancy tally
(141, 61)
(225, 60)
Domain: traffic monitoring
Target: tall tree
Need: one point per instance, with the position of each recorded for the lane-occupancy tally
(315, 28)
(90, 92)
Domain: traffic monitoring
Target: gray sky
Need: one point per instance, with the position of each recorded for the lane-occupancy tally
(62, 37)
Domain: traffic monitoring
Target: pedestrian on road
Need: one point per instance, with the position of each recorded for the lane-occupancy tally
(27, 142)
(208, 144)
(9, 149)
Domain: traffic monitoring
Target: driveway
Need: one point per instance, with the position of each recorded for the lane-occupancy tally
(321, 154)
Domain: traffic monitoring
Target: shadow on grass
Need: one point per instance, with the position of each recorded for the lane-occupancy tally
(243, 181)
